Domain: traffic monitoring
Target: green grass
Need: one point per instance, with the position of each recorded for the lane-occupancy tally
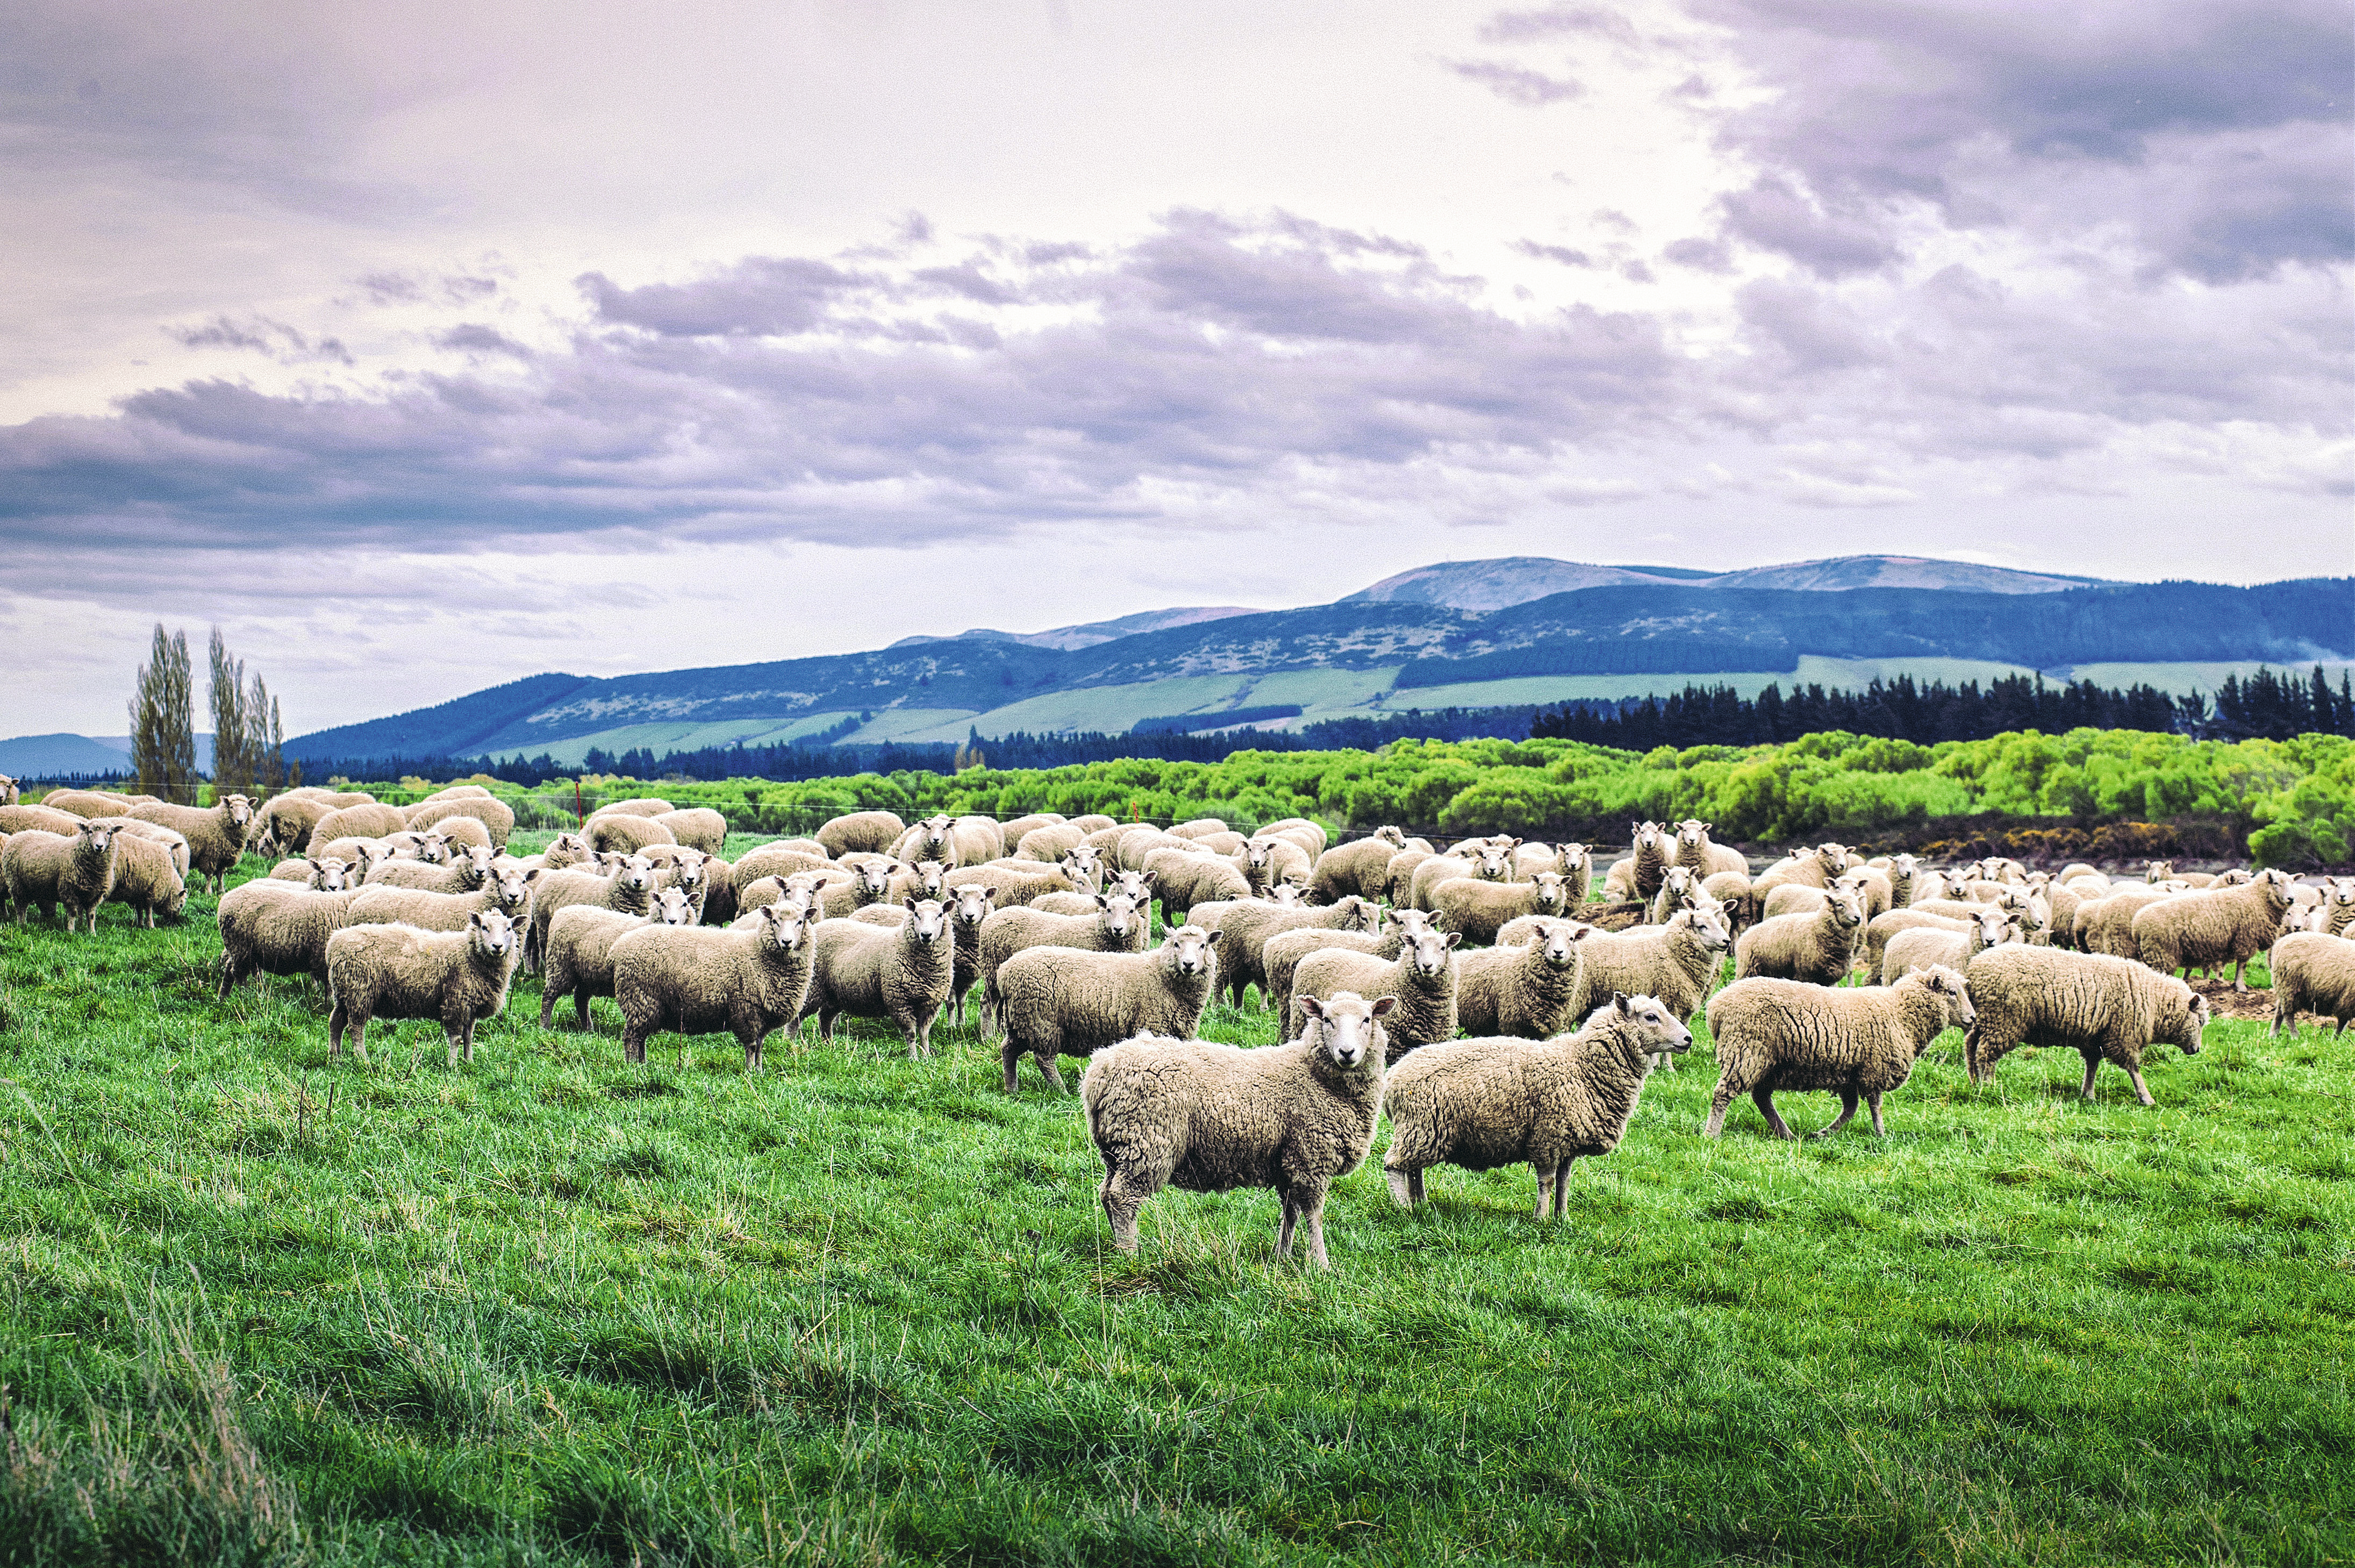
(257, 1307)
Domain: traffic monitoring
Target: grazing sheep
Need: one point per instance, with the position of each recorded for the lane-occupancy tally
(609, 833)
(1731, 891)
(1300, 830)
(636, 806)
(282, 825)
(42, 819)
(1921, 949)
(2105, 1008)
(146, 879)
(1678, 963)
(581, 950)
(875, 831)
(216, 834)
(87, 802)
(55, 870)
(400, 972)
(2224, 925)
(1182, 880)
(1423, 978)
(1244, 930)
(2312, 973)
(368, 821)
(1485, 1103)
(1398, 877)
(1775, 1034)
(277, 928)
(747, 980)
(1212, 1118)
(902, 973)
(1818, 948)
(505, 889)
(1093, 822)
(1056, 1001)
(1360, 866)
(1697, 854)
(1534, 991)
(460, 831)
(1049, 843)
(629, 889)
(1017, 829)
(1478, 910)
(1270, 861)
(1282, 955)
(1805, 868)
(698, 825)
(495, 817)
(1115, 925)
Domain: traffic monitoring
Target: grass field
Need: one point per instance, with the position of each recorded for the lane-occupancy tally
(255, 1308)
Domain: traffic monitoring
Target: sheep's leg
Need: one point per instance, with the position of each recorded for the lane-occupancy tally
(1545, 1175)
(337, 1021)
(580, 1008)
(2091, 1062)
(359, 1040)
(1717, 1105)
(228, 977)
(2238, 965)
(453, 1034)
(1401, 1186)
(633, 1042)
(1848, 1109)
(754, 1040)
(1312, 1210)
(2142, 1090)
(1051, 1071)
(1283, 1231)
(1763, 1098)
(547, 1011)
(1872, 1102)
(1561, 1188)
(1009, 1055)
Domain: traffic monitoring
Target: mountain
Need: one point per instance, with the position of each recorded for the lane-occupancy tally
(66, 756)
(1407, 642)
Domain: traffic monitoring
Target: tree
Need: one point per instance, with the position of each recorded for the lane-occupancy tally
(232, 760)
(265, 739)
(163, 727)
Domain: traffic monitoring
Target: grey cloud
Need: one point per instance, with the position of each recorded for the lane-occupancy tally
(1564, 255)
(259, 333)
(1701, 255)
(764, 297)
(1775, 215)
(473, 337)
(1516, 84)
(1527, 26)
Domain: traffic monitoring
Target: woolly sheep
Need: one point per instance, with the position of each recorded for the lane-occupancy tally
(1775, 1034)
(1015, 881)
(2312, 973)
(1818, 948)
(74, 872)
(1182, 881)
(1680, 889)
(1280, 955)
(1116, 924)
(1484, 1104)
(1731, 891)
(1212, 1118)
(1360, 866)
(368, 822)
(493, 815)
(456, 977)
(902, 973)
(1534, 991)
(1949, 949)
(40, 819)
(698, 825)
(216, 834)
(1306, 834)
(277, 928)
(2105, 1008)
(1696, 853)
(2225, 925)
(1398, 877)
(636, 806)
(581, 950)
(969, 907)
(1478, 910)
(1423, 977)
(1091, 822)
(1083, 866)
(1805, 868)
(1017, 829)
(1133, 884)
(327, 876)
(465, 871)
(505, 889)
(154, 833)
(1652, 853)
(1677, 963)
(746, 980)
(1267, 862)
(608, 832)
(868, 830)
(146, 879)
(1056, 1001)
(1049, 843)
(1244, 931)
(87, 802)
(629, 889)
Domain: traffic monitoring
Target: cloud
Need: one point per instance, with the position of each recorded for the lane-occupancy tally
(1517, 84)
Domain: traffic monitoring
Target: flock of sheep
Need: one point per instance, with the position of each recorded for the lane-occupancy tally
(1497, 1007)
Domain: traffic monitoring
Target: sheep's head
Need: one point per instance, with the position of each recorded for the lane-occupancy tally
(1678, 884)
(1691, 835)
(331, 875)
(1559, 940)
(1845, 905)
(795, 892)
(1709, 925)
(1395, 837)
(238, 810)
(635, 873)
(874, 879)
(2159, 872)
(2185, 1032)
(491, 935)
(1949, 989)
(1083, 863)
(970, 903)
(95, 838)
(1259, 853)
(1283, 895)
(1994, 926)
(1496, 861)
(933, 877)
(671, 907)
(1116, 913)
(1137, 885)
(1191, 949)
(2277, 882)
(510, 887)
(1427, 952)
(473, 865)
(1408, 923)
(936, 833)
(567, 849)
(686, 874)
(783, 930)
(1552, 892)
(1649, 1026)
(1345, 1028)
(429, 847)
(1647, 837)
(928, 918)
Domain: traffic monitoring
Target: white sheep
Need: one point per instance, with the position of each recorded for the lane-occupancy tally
(2105, 1008)
(1487, 1103)
(216, 834)
(1820, 948)
(1360, 866)
(868, 830)
(899, 972)
(1212, 1118)
(629, 889)
(53, 871)
(146, 879)
(696, 980)
(1282, 955)
(277, 928)
(2312, 973)
(1534, 991)
(1775, 1034)
(581, 950)
(2199, 930)
(1423, 978)
(1479, 909)
(1919, 949)
(1062, 1001)
(1114, 925)
(400, 972)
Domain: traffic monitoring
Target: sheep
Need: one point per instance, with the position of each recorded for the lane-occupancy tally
(1423, 978)
(1083, 866)
(8, 793)
(1060, 1001)
(636, 806)
(953, 841)
(1398, 877)
(75, 872)
(1182, 881)
(2312, 973)
(903, 973)
(1483, 861)
(2106, 1009)
(400, 972)
(146, 879)
(698, 825)
(1212, 1118)
(2340, 904)
(364, 821)
(1049, 843)
(1680, 889)
(1954, 950)
(463, 832)
(153, 832)
(1268, 861)
(1677, 963)
(580, 941)
(1199, 827)
(495, 817)
(1135, 884)
(830, 898)
(1282, 955)
(2197, 930)
(2165, 871)
(1306, 834)
(1696, 853)
(612, 831)
(1535, 991)
(1484, 1104)
(2105, 925)
(1245, 929)
(1731, 891)
(86, 801)
(463, 873)
(969, 906)
(216, 834)
(1017, 829)
(868, 830)
(748, 980)
(630, 887)
(329, 876)
(1479, 910)
(1818, 948)
(275, 928)
(41, 819)
(1775, 1034)
(1360, 867)
(1805, 868)
(1093, 822)
(1016, 881)
(1116, 924)
(1638, 876)
(1131, 849)
(505, 889)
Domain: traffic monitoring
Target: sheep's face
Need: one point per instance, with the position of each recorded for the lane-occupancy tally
(1135, 884)
(431, 850)
(686, 874)
(1552, 892)
(797, 895)
(1496, 862)
(1084, 865)
(491, 935)
(784, 929)
(928, 918)
(1948, 987)
(1691, 835)
(1284, 895)
(510, 888)
(330, 876)
(1678, 884)
(567, 849)
(2276, 882)
(970, 904)
(2234, 878)
(96, 838)
(1559, 941)
(1711, 926)
(1994, 926)
(672, 907)
(874, 879)
(1845, 906)
(1658, 1031)
(1191, 949)
(240, 810)
(1116, 913)
(933, 877)
(1427, 950)
(934, 843)
(1408, 923)
(1394, 836)
(1647, 837)
(637, 874)
(174, 901)
(2192, 1023)
(2159, 872)
(1347, 1029)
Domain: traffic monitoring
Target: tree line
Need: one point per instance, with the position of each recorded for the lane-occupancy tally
(249, 735)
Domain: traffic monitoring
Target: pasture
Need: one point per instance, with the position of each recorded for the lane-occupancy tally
(257, 1307)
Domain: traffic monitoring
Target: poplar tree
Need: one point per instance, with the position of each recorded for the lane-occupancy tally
(163, 722)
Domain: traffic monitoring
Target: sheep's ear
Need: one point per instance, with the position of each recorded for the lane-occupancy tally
(1581, 932)
(1104, 901)
(1383, 1006)
(1621, 1003)
(1454, 937)
(908, 902)
(1315, 1008)
(989, 895)
(1517, 844)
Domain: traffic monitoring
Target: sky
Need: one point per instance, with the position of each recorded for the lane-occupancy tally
(421, 348)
